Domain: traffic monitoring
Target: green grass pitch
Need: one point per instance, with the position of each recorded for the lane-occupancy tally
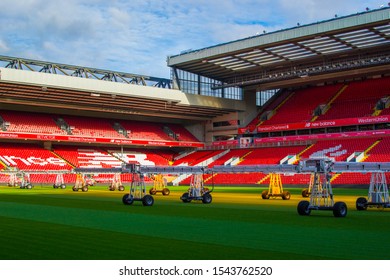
(55, 224)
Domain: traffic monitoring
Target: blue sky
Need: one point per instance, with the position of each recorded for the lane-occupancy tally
(136, 36)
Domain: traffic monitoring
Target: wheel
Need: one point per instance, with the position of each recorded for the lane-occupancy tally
(147, 200)
(84, 189)
(75, 189)
(166, 191)
(127, 199)
(29, 186)
(340, 209)
(121, 188)
(361, 203)
(305, 193)
(303, 208)
(55, 186)
(207, 198)
(265, 195)
(286, 195)
(63, 186)
(111, 188)
(185, 197)
(152, 191)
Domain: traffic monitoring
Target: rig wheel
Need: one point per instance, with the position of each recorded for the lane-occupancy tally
(166, 191)
(75, 189)
(111, 188)
(185, 197)
(305, 193)
(340, 209)
(286, 195)
(84, 189)
(147, 200)
(265, 195)
(152, 191)
(29, 186)
(63, 186)
(207, 198)
(121, 188)
(127, 199)
(361, 203)
(55, 186)
(303, 208)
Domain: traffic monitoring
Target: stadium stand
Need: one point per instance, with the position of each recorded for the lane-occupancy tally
(181, 133)
(339, 149)
(358, 99)
(30, 157)
(92, 127)
(302, 103)
(29, 123)
(145, 130)
(378, 152)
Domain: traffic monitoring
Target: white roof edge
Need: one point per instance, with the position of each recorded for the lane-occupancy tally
(107, 87)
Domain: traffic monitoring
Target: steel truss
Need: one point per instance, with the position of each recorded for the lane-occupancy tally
(83, 72)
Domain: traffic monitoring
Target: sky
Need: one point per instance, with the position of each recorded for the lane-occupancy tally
(137, 36)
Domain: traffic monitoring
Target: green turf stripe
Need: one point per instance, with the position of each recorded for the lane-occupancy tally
(25, 239)
(251, 235)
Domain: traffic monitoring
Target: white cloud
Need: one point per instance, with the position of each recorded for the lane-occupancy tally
(3, 46)
(136, 36)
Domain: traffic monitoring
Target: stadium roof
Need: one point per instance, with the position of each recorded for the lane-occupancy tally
(247, 61)
(31, 89)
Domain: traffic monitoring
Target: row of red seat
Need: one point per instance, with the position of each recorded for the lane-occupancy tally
(352, 100)
(91, 127)
(30, 157)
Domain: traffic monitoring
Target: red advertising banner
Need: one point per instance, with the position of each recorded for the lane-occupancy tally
(117, 141)
(225, 143)
(323, 124)
(320, 124)
(338, 135)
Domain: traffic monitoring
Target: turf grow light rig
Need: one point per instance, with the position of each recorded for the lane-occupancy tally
(59, 183)
(197, 191)
(321, 196)
(314, 177)
(137, 187)
(159, 185)
(81, 183)
(275, 188)
(378, 193)
(116, 183)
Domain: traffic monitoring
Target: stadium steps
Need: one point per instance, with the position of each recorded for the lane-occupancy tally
(3, 165)
(329, 104)
(303, 151)
(258, 124)
(366, 152)
(376, 113)
(244, 156)
(263, 179)
(64, 159)
(210, 177)
(113, 155)
(334, 177)
(240, 160)
(281, 104)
